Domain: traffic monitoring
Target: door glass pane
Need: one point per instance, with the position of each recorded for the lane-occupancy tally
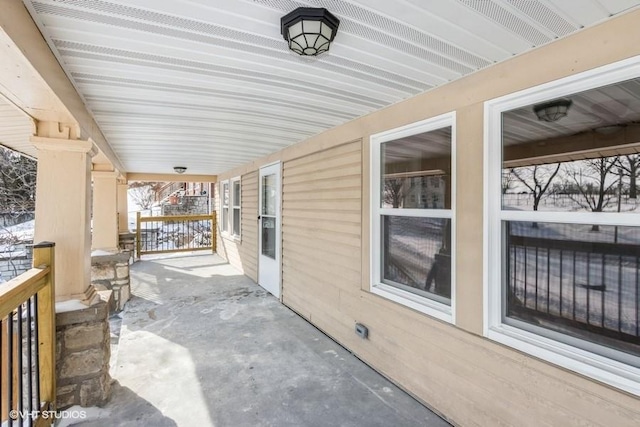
(269, 195)
(269, 237)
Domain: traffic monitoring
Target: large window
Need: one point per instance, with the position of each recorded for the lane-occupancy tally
(564, 223)
(412, 215)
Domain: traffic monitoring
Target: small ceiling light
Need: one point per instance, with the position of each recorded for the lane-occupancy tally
(552, 111)
(180, 169)
(308, 30)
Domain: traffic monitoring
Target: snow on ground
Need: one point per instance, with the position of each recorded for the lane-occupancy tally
(22, 231)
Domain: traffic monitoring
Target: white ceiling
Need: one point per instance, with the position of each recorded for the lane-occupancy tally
(210, 84)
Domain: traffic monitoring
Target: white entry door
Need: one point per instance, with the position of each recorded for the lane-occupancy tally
(269, 237)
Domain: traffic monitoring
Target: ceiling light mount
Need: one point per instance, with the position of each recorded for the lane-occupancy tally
(180, 169)
(552, 111)
(309, 30)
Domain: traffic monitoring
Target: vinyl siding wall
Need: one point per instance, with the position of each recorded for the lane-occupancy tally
(472, 381)
(242, 253)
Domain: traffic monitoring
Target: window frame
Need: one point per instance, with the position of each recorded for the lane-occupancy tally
(561, 353)
(225, 224)
(411, 300)
(233, 207)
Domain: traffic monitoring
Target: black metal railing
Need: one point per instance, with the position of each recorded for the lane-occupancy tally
(590, 286)
(19, 367)
(27, 343)
(177, 233)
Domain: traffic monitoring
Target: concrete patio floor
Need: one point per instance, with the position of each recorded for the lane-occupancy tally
(202, 345)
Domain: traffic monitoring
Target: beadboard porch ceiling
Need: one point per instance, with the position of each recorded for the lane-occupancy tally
(210, 84)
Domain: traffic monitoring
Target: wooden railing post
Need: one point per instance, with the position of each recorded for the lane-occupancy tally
(213, 232)
(44, 256)
(138, 235)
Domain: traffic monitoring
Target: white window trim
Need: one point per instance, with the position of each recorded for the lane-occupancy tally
(232, 207)
(417, 302)
(224, 229)
(596, 366)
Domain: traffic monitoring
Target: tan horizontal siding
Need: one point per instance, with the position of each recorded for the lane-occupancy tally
(321, 231)
(249, 247)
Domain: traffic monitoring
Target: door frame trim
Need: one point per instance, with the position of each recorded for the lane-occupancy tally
(278, 224)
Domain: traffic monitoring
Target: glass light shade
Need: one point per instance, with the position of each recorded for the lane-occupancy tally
(309, 31)
(552, 111)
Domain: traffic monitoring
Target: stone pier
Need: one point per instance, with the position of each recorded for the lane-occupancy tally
(83, 353)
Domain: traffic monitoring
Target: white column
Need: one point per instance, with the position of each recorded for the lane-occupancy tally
(63, 193)
(123, 207)
(105, 211)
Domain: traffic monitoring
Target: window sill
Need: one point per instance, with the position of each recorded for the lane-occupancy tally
(225, 235)
(423, 305)
(594, 366)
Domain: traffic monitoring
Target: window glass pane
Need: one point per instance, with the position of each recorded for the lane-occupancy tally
(225, 194)
(578, 153)
(580, 280)
(236, 221)
(236, 193)
(268, 195)
(417, 255)
(225, 219)
(416, 171)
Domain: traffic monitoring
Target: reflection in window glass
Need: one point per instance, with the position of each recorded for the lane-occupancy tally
(568, 279)
(269, 195)
(602, 184)
(417, 255)
(576, 283)
(416, 171)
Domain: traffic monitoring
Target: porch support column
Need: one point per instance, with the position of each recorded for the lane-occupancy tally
(63, 193)
(123, 207)
(105, 211)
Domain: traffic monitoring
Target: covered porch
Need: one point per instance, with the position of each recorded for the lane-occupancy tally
(391, 184)
(201, 344)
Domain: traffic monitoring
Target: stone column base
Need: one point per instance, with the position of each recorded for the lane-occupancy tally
(110, 271)
(82, 355)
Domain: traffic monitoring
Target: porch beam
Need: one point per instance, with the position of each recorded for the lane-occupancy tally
(38, 84)
(166, 177)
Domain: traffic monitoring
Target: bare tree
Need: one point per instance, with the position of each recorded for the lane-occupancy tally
(630, 166)
(508, 179)
(144, 193)
(393, 191)
(537, 179)
(17, 203)
(17, 187)
(593, 183)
